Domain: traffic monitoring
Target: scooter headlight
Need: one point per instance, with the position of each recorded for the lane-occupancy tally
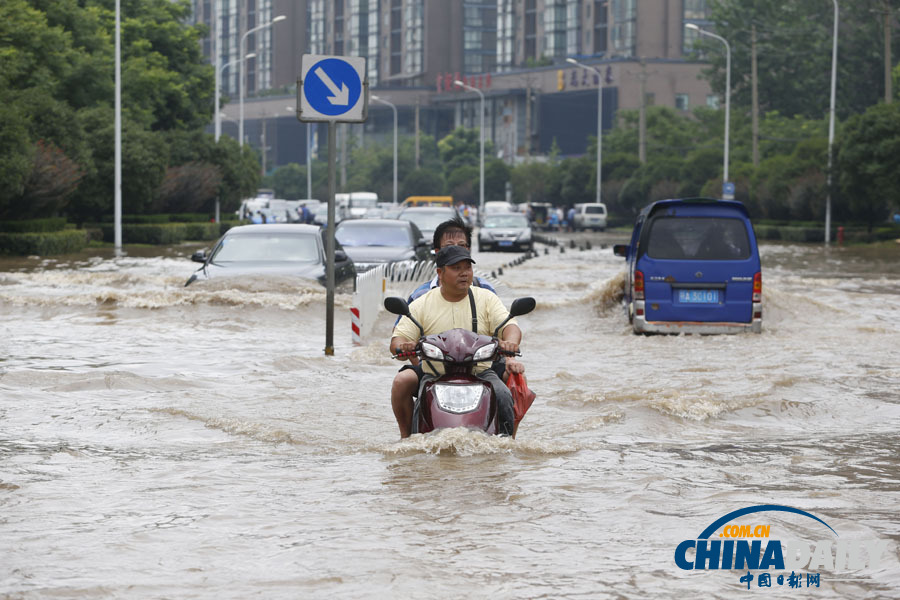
(485, 352)
(432, 351)
(458, 398)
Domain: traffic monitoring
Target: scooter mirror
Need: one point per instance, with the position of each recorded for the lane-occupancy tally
(396, 306)
(522, 306)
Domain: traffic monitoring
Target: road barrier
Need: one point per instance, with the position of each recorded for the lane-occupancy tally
(394, 279)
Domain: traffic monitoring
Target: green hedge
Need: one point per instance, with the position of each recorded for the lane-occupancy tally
(42, 244)
(162, 218)
(34, 225)
(168, 233)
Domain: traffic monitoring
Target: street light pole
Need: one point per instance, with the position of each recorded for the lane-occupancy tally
(481, 170)
(383, 101)
(241, 82)
(599, 119)
(117, 151)
(834, 42)
(727, 89)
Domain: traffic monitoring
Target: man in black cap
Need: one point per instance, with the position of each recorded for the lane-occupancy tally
(448, 307)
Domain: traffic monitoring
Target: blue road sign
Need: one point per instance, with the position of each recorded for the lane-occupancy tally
(332, 88)
(728, 190)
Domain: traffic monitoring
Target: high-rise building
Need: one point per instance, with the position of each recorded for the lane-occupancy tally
(514, 51)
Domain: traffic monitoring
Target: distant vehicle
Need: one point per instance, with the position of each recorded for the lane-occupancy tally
(428, 218)
(540, 214)
(389, 210)
(373, 242)
(590, 215)
(693, 267)
(250, 251)
(505, 231)
(356, 205)
(320, 215)
(499, 206)
(412, 201)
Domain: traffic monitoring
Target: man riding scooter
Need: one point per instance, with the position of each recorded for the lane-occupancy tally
(447, 307)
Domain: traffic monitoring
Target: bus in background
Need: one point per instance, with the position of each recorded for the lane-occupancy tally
(412, 201)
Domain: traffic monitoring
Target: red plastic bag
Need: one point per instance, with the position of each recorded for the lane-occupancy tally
(522, 396)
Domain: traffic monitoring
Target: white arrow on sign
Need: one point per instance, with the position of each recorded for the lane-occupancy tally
(341, 96)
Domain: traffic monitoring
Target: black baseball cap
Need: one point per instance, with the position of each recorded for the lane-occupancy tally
(451, 255)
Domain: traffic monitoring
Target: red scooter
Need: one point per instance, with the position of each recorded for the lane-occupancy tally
(458, 398)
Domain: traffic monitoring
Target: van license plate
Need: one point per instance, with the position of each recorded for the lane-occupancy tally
(698, 296)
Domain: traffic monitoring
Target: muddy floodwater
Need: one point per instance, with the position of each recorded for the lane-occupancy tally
(158, 441)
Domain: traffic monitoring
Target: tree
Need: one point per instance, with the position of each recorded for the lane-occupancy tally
(288, 181)
(496, 175)
(794, 43)
(422, 182)
(868, 162)
(529, 181)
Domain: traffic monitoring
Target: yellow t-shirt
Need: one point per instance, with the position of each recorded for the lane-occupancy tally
(437, 315)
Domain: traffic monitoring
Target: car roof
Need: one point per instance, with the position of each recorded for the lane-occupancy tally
(273, 228)
(659, 205)
(503, 214)
(370, 222)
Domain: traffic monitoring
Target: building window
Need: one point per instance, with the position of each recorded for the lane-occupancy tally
(624, 16)
(712, 101)
(601, 22)
(479, 36)
(681, 102)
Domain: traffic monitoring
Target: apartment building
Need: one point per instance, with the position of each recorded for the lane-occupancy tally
(513, 51)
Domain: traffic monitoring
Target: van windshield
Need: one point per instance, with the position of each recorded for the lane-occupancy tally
(698, 238)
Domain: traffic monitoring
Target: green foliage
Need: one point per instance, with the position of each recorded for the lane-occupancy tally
(529, 181)
(462, 184)
(42, 244)
(169, 233)
(288, 181)
(794, 48)
(33, 225)
(422, 182)
(496, 174)
(868, 158)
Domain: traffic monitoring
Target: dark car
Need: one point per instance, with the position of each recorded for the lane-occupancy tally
(280, 250)
(505, 231)
(427, 218)
(373, 242)
(693, 267)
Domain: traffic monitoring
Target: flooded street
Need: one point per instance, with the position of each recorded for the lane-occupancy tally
(158, 441)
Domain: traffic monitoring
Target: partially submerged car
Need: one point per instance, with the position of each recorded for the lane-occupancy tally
(272, 250)
(693, 267)
(505, 231)
(373, 242)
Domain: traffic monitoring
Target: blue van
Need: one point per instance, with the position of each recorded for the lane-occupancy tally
(693, 267)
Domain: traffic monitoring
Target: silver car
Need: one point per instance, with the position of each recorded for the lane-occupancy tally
(505, 231)
(250, 251)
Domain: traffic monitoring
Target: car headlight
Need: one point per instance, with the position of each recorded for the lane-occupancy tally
(485, 236)
(485, 352)
(525, 235)
(432, 351)
(458, 398)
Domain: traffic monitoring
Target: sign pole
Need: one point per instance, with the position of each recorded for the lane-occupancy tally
(329, 246)
(331, 89)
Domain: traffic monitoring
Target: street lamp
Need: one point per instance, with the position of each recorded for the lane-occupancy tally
(383, 101)
(727, 89)
(834, 42)
(241, 60)
(308, 159)
(599, 118)
(218, 113)
(481, 179)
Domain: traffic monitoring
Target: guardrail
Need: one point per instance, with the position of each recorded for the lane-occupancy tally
(394, 279)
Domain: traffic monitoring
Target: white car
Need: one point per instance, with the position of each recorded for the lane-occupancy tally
(590, 215)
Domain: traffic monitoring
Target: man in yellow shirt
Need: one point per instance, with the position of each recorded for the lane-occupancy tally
(448, 307)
